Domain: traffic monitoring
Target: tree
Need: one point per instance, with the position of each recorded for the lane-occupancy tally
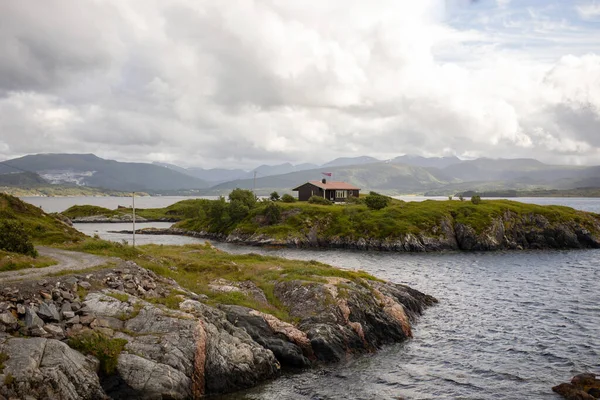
(375, 201)
(288, 198)
(476, 199)
(245, 196)
(274, 196)
(461, 198)
(14, 238)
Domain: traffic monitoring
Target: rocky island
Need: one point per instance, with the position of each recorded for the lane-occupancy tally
(110, 321)
(402, 227)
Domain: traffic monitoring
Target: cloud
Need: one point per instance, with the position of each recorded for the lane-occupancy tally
(241, 83)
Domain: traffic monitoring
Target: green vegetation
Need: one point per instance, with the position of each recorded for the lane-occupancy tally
(105, 349)
(578, 192)
(196, 266)
(15, 261)
(288, 198)
(375, 201)
(319, 200)
(15, 239)
(476, 199)
(355, 221)
(122, 297)
(274, 196)
(175, 212)
(3, 358)
(39, 226)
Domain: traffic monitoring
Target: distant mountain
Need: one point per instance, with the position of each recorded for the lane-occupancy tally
(426, 162)
(21, 179)
(270, 170)
(217, 175)
(90, 170)
(345, 161)
(487, 169)
(392, 178)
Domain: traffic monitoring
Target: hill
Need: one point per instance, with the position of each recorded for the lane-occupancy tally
(427, 162)
(43, 228)
(90, 170)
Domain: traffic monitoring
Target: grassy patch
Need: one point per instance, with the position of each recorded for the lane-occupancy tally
(3, 358)
(171, 301)
(200, 264)
(41, 227)
(14, 261)
(122, 297)
(105, 349)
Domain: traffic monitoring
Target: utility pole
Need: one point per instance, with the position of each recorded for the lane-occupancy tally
(133, 206)
(254, 184)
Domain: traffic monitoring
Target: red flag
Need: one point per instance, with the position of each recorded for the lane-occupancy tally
(327, 173)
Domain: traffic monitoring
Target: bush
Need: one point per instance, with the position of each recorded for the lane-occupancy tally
(272, 213)
(354, 200)
(288, 198)
(375, 201)
(476, 199)
(14, 238)
(274, 196)
(319, 200)
(245, 196)
(238, 210)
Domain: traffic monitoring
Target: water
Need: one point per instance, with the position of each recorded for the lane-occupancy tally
(509, 325)
(107, 232)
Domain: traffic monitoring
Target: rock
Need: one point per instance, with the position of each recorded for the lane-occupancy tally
(86, 319)
(38, 332)
(32, 320)
(7, 318)
(84, 285)
(73, 321)
(48, 312)
(47, 368)
(68, 314)
(288, 353)
(20, 309)
(54, 330)
(582, 387)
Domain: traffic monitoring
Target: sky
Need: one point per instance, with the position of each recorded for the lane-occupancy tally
(239, 83)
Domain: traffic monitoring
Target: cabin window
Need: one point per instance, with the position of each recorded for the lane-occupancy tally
(341, 194)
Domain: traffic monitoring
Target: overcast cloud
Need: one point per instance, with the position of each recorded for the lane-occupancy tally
(239, 83)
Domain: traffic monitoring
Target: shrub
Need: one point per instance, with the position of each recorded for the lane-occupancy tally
(375, 201)
(245, 196)
(319, 200)
(461, 198)
(476, 199)
(238, 210)
(14, 238)
(105, 349)
(272, 213)
(274, 196)
(354, 200)
(288, 198)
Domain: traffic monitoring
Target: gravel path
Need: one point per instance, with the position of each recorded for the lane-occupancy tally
(67, 260)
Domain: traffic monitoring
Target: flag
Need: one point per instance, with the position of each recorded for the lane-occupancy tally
(327, 173)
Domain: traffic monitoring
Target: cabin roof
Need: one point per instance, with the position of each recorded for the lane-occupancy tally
(330, 185)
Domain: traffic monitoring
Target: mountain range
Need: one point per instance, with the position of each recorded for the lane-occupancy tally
(405, 174)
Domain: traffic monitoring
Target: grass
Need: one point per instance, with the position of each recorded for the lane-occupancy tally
(355, 221)
(3, 358)
(42, 228)
(122, 297)
(200, 264)
(13, 261)
(181, 210)
(105, 349)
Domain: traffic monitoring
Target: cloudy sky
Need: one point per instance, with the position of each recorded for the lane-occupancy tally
(238, 83)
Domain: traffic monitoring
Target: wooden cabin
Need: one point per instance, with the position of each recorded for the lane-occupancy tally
(333, 191)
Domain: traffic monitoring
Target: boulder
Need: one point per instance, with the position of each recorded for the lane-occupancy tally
(47, 368)
(582, 387)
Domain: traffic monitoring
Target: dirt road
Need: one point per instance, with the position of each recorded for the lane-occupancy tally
(67, 260)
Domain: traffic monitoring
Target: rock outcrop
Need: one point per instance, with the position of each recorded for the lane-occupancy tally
(506, 232)
(141, 349)
(582, 387)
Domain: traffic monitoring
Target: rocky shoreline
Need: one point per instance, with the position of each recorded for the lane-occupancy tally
(190, 348)
(117, 219)
(582, 387)
(508, 232)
